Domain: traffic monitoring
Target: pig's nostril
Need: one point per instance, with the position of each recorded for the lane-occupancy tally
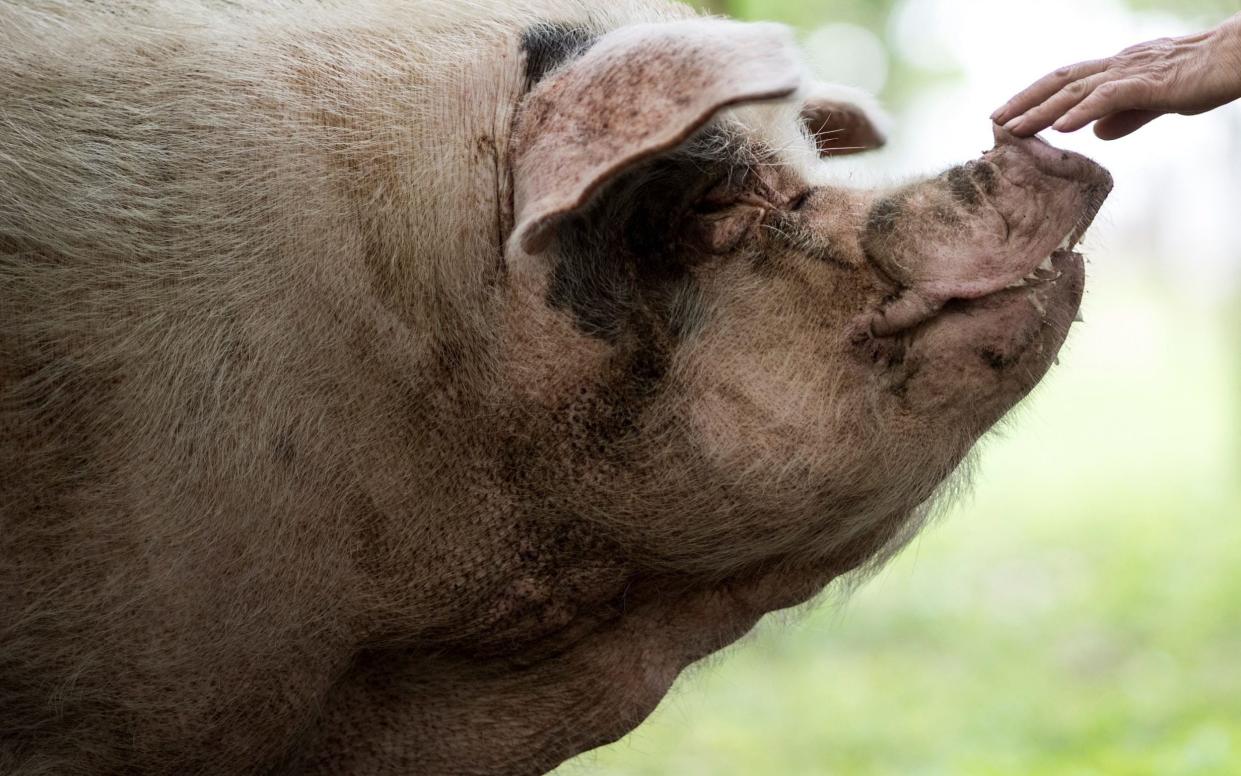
(986, 177)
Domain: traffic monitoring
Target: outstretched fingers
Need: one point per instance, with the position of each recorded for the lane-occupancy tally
(1042, 116)
(1046, 87)
(1106, 99)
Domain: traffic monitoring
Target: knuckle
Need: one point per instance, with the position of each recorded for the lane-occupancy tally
(1077, 70)
(1109, 90)
(1149, 51)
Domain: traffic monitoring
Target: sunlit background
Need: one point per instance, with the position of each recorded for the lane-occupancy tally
(1081, 613)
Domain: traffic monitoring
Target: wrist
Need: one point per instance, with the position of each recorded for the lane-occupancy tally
(1225, 39)
(1224, 47)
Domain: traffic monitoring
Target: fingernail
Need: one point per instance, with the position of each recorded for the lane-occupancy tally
(1060, 125)
(1010, 126)
(996, 115)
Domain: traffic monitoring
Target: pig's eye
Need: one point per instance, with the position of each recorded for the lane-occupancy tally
(719, 228)
(800, 200)
(708, 207)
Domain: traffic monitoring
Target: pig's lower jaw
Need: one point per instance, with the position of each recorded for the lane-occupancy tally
(986, 352)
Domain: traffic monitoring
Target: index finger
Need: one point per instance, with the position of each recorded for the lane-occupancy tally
(1038, 92)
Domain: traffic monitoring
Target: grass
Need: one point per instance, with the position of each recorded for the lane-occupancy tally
(1080, 614)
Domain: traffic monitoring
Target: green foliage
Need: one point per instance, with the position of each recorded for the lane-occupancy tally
(1207, 12)
(874, 12)
(805, 13)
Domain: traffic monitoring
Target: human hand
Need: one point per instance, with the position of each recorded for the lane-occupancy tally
(1187, 75)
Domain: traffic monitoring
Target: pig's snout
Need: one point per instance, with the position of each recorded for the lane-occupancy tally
(1056, 162)
(996, 224)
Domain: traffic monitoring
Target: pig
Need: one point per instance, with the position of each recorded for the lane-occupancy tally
(414, 386)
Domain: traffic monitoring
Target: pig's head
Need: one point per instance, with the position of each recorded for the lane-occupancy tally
(724, 358)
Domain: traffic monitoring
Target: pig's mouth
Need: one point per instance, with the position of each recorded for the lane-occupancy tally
(1039, 282)
(913, 308)
(1012, 334)
(970, 300)
(991, 225)
(1050, 294)
(1008, 338)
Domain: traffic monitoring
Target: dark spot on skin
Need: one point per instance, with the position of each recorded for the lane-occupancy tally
(961, 184)
(996, 360)
(625, 256)
(986, 179)
(623, 271)
(597, 288)
(881, 220)
(905, 371)
(645, 367)
(612, 411)
(548, 45)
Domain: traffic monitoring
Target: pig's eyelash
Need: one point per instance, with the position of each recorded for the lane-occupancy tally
(825, 135)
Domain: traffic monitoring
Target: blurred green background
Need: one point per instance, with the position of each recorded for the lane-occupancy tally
(1080, 613)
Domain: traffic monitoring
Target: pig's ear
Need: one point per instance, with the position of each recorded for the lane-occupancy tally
(638, 92)
(843, 120)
